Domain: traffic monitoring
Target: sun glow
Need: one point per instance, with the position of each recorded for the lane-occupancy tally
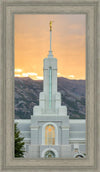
(59, 74)
(32, 44)
(35, 76)
(32, 75)
(71, 76)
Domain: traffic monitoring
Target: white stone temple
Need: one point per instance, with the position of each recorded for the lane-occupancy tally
(50, 133)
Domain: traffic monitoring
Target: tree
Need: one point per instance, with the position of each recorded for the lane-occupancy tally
(19, 144)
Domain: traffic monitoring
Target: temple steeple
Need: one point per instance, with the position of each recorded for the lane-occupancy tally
(50, 98)
(50, 51)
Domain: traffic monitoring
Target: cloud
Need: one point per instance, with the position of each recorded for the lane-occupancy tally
(32, 74)
(29, 74)
(25, 74)
(71, 76)
(58, 74)
(40, 77)
(18, 70)
(17, 75)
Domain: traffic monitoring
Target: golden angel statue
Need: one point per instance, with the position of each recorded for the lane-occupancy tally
(50, 25)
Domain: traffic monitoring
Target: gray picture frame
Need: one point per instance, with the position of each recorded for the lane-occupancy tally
(91, 8)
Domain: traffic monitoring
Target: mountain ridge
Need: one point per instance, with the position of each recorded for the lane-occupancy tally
(27, 96)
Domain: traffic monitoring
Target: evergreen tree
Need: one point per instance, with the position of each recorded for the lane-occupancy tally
(19, 144)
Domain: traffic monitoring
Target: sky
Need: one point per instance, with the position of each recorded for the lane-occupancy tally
(32, 42)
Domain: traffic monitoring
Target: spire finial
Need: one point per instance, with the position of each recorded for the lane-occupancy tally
(50, 25)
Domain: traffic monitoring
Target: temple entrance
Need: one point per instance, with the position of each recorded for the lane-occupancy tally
(49, 154)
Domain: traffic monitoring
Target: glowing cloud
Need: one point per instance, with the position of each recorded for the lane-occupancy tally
(18, 70)
(32, 74)
(29, 74)
(58, 74)
(17, 75)
(40, 77)
(71, 76)
(25, 74)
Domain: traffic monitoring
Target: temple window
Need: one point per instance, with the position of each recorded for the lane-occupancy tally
(50, 135)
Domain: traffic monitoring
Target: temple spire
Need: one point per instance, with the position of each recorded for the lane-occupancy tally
(50, 51)
(50, 34)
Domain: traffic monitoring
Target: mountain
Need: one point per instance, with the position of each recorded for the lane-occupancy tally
(27, 96)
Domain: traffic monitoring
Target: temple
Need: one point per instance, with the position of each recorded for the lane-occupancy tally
(50, 133)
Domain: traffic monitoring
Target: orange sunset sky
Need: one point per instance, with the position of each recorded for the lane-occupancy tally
(32, 38)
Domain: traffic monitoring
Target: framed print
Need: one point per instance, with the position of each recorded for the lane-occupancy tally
(49, 85)
(43, 104)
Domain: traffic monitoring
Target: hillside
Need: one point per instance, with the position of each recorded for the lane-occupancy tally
(27, 96)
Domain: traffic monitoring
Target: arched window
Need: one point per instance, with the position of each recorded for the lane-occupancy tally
(50, 135)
